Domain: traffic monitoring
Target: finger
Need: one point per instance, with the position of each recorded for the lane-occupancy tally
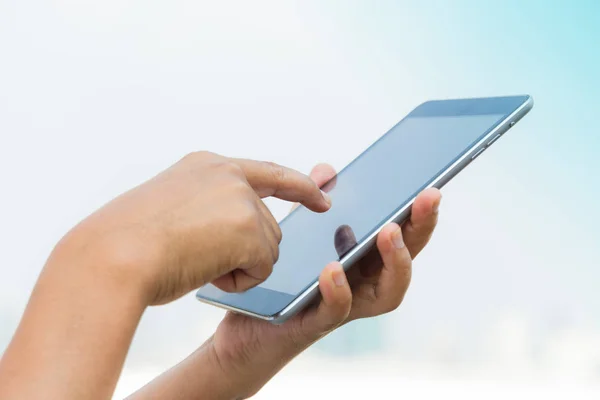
(370, 265)
(238, 280)
(424, 215)
(270, 179)
(320, 174)
(273, 237)
(270, 223)
(343, 240)
(335, 304)
(396, 272)
(242, 279)
(367, 267)
(364, 275)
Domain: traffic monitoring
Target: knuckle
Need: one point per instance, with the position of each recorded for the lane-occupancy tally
(278, 234)
(406, 266)
(195, 156)
(261, 267)
(425, 229)
(267, 268)
(225, 168)
(268, 254)
(240, 189)
(231, 168)
(274, 253)
(404, 278)
(277, 171)
(247, 219)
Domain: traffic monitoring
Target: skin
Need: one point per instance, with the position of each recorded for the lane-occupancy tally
(244, 353)
(200, 221)
(174, 234)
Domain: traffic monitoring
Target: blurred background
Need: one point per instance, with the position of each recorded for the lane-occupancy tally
(97, 96)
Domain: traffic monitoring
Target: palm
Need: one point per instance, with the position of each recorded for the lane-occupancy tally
(239, 332)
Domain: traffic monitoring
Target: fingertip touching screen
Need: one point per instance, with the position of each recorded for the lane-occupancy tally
(369, 190)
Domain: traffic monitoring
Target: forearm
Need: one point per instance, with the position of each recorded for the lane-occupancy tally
(207, 375)
(76, 330)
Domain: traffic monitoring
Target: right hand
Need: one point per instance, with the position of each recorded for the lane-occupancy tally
(200, 221)
(244, 353)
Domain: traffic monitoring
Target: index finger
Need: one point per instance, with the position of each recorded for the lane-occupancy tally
(271, 179)
(323, 175)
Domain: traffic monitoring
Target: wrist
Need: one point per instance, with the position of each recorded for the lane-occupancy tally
(114, 259)
(247, 360)
(220, 379)
(201, 375)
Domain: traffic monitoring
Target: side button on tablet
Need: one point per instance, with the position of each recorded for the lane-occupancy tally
(477, 154)
(494, 139)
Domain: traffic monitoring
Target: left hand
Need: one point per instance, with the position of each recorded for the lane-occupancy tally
(248, 351)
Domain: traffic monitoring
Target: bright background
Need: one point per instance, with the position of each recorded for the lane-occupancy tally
(96, 97)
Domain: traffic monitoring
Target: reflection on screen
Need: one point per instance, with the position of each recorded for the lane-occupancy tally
(376, 184)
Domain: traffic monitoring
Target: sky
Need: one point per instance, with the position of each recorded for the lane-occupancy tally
(96, 97)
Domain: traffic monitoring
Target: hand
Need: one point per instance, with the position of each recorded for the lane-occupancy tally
(244, 353)
(200, 221)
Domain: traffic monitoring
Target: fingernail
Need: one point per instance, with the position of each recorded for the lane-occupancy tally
(397, 239)
(326, 197)
(339, 277)
(436, 205)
